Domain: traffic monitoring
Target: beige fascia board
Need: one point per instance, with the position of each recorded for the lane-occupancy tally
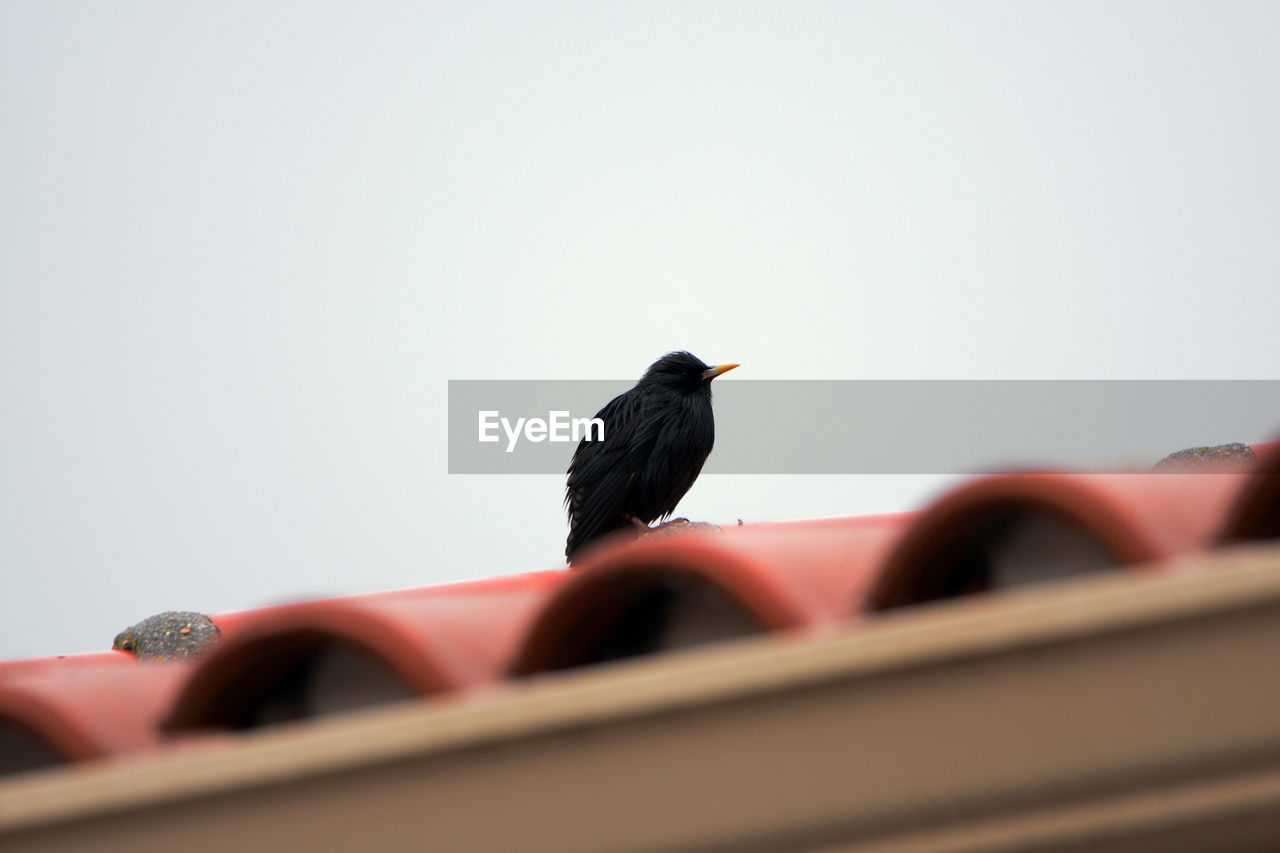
(1113, 709)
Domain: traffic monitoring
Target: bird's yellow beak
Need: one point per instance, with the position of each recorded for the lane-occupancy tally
(715, 370)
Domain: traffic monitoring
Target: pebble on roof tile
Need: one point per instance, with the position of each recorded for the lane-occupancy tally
(1234, 454)
(169, 635)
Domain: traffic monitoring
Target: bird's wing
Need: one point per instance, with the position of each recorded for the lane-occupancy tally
(602, 473)
(679, 450)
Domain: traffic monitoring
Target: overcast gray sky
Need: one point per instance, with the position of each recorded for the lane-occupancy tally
(243, 247)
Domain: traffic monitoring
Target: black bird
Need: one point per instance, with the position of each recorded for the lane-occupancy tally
(656, 437)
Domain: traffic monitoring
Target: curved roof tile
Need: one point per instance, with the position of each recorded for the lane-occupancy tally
(668, 592)
(88, 706)
(961, 541)
(315, 657)
(656, 594)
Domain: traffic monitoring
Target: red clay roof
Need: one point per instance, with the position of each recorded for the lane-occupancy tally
(641, 597)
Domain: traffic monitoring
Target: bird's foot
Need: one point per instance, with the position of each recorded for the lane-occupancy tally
(637, 523)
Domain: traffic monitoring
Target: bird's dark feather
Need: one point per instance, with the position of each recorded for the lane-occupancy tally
(657, 437)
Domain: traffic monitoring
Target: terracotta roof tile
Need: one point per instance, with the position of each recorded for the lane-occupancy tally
(312, 658)
(89, 706)
(1098, 521)
(663, 593)
(657, 594)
